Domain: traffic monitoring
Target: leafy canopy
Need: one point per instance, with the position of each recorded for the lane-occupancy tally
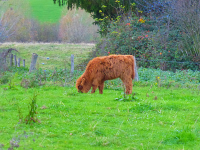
(109, 7)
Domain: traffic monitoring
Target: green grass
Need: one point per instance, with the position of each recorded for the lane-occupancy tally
(72, 120)
(45, 10)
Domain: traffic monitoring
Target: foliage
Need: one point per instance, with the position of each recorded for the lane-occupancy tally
(109, 7)
(187, 21)
(152, 37)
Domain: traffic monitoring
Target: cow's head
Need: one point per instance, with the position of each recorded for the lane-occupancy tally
(83, 85)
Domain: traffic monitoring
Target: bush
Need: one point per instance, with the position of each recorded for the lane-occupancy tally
(44, 32)
(152, 36)
(76, 27)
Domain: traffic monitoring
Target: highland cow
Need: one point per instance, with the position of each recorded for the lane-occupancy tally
(105, 68)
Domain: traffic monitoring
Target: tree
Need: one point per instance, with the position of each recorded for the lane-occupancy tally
(109, 7)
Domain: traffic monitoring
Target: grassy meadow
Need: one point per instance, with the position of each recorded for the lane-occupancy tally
(43, 110)
(45, 10)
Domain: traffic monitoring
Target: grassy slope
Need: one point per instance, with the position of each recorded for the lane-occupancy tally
(74, 120)
(45, 10)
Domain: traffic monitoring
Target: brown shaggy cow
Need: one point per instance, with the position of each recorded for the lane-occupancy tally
(105, 68)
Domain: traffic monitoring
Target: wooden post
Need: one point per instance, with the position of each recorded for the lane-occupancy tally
(18, 62)
(72, 64)
(5, 60)
(15, 60)
(11, 59)
(33, 62)
(23, 62)
(136, 72)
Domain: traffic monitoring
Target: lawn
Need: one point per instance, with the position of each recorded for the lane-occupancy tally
(154, 118)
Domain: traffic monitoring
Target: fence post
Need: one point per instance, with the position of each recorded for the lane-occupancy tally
(15, 60)
(11, 60)
(72, 64)
(23, 62)
(33, 62)
(18, 62)
(135, 69)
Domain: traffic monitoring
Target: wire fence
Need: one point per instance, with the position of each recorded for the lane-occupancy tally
(157, 63)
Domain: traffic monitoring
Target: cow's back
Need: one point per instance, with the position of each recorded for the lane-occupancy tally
(116, 66)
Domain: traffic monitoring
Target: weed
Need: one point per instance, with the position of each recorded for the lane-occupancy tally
(32, 115)
(11, 84)
(4, 78)
(127, 98)
(20, 115)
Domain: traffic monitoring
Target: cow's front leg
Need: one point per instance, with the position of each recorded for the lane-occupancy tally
(94, 87)
(101, 86)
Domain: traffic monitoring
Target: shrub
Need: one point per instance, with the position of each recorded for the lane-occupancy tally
(152, 36)
(186, 14)
(16, 23)
(44, 32)
(76, 27)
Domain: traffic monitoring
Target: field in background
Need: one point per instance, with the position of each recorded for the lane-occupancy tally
(51, 55)
(45, 10)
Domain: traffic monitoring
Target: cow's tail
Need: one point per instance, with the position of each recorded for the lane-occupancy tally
(135, 72)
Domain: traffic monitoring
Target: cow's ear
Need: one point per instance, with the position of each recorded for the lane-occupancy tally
(83, 81)
(80, 87)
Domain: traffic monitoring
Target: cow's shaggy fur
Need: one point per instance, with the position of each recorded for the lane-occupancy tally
(105, 68)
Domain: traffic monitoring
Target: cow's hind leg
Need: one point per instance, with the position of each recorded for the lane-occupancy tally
(128, 84)
(101, 86)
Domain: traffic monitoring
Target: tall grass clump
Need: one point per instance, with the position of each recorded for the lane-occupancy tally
(32, 114)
